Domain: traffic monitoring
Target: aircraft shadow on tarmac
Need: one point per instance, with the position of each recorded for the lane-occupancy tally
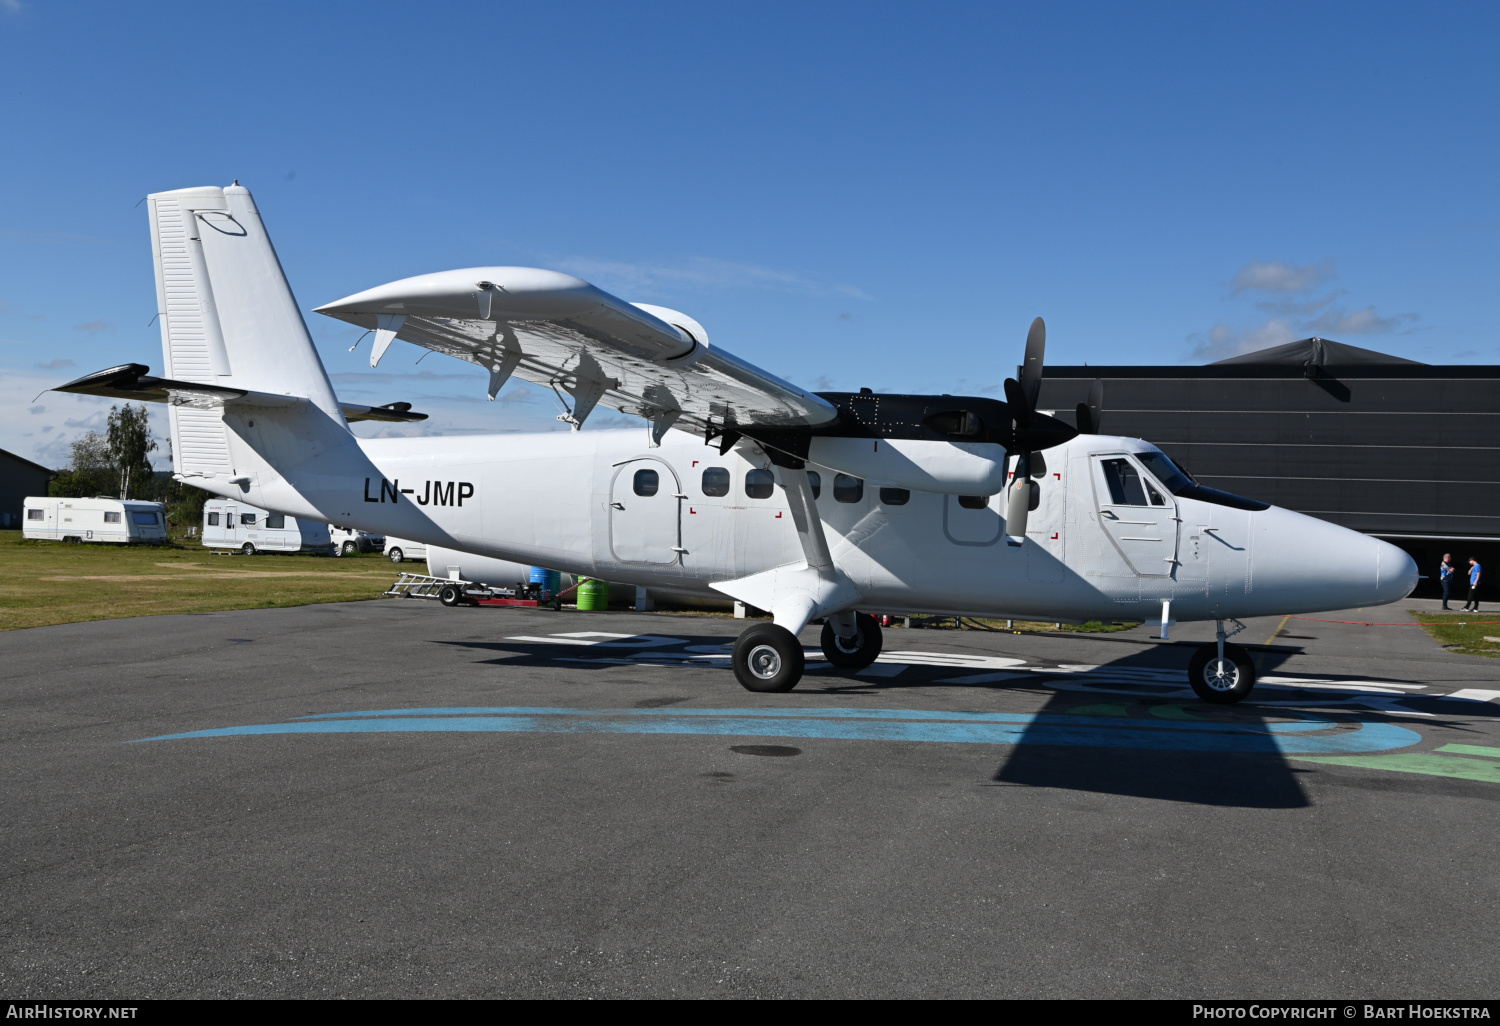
(1140, 691)
(1259, 778)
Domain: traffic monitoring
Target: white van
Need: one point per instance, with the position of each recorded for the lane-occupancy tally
(347, 541)
(228, 524)
(120, 521)
(399, 550)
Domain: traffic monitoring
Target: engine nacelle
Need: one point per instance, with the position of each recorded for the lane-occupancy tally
(952, 468)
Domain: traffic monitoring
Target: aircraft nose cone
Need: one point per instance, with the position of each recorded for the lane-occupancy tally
(1397, 574)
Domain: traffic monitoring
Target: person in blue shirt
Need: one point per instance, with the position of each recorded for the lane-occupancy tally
(1474, 569)
(1445, 577)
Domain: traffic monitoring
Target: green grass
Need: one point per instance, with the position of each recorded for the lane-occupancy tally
(1463, 632)
(44, 583)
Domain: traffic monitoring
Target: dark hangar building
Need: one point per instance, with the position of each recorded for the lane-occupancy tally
(1408, 452)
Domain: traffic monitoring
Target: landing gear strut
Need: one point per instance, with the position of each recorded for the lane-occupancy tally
(768, 658)
(1222, 673)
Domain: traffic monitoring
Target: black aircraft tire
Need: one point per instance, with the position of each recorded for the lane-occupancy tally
(1221, 685)
(450, 595)
(768, 658)
(868, 641)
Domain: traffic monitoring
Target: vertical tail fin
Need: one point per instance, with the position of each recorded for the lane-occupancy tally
(228, 316)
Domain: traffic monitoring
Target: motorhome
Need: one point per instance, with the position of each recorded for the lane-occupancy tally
(399, 550)
(117, 521)
(228, 524)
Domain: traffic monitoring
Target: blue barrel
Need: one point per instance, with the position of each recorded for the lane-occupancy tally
(550, 580)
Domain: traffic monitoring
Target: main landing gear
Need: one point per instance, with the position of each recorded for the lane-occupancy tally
(770, 658)
(1222, 673)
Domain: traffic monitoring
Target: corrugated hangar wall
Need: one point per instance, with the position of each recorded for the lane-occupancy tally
(1409, 452)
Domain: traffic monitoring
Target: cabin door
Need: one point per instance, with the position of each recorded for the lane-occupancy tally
(645, 513)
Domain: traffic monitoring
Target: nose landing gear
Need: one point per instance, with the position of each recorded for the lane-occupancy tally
(1222, 673)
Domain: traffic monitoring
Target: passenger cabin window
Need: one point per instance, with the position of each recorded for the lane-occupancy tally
(275, 521)
(759, 484)
(1156, 499)
(111, 517)
(973, 501)
(817, 483)
(213, 520)
(895, 496)
(848, 489)
(646, 482)
(35, 514)
(715, 481)
(144, 518)
(1124, 483)
(247, 518)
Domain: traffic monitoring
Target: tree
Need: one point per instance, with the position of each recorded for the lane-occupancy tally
(90, 472)
(130, 446)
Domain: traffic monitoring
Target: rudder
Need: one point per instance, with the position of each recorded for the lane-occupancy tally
(228, 316)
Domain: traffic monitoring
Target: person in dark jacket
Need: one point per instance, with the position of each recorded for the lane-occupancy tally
(1445, 577)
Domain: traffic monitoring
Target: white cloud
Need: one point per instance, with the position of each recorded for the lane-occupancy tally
(1360, 322)
(12, 6)
(1221, 341)
(1294, 313)
(1276, 277)
(94, 327)
(51, 365)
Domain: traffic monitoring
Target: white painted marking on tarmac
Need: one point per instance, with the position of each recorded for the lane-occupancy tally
(957, 660)
(1475, 695)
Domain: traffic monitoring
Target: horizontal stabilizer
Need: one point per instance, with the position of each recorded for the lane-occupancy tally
(134, 382)
(399, 413)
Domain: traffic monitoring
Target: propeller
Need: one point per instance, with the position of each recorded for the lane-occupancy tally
(1090, 412)
(1021, 396)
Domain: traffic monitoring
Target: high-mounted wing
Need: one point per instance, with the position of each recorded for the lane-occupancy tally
(134, 382)
(557, 330)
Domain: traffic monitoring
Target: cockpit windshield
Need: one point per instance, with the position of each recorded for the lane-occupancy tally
(1165, 470)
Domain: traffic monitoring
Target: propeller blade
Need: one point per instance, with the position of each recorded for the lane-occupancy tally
(1031, 369)
(1023, 495)
(1089, 412)
(1015, 398)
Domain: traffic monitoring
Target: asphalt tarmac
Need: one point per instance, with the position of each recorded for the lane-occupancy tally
(394, 799)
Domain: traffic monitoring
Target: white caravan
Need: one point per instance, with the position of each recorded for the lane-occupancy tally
(118, 521)
(921, 503)
(228, 524)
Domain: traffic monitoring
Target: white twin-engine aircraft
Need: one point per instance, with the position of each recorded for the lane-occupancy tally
(804, 504)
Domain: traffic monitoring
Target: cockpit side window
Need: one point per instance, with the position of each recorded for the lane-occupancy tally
(1165, 470)
(1124, 483)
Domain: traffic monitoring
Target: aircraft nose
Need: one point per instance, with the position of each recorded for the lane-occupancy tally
(1325, 566)
(1397, 574)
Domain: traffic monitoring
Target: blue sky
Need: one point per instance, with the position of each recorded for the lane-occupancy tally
(846, 194)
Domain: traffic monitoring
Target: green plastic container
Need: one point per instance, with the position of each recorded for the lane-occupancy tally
(592, 594)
